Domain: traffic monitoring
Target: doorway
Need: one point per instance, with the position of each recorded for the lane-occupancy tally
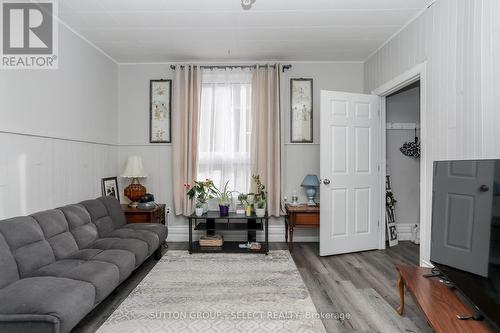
(417, 73)
(402, 147)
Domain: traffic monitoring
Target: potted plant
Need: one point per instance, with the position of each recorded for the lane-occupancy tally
(241, 208)
(201, 191)
(260, 208)
(199, 209)
(224, 198)
(261, 188)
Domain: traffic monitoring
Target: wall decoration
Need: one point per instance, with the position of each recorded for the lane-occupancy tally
(110, 187)
(160, 107)
(390, 216)
(301, 110)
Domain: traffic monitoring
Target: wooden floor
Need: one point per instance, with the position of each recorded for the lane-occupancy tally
(362, 285)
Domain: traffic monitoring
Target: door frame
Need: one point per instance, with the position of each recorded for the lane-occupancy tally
(414, 74)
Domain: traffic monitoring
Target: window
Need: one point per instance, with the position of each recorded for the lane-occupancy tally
(225, 128)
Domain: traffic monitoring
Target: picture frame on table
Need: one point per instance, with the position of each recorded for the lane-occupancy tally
(109, 187)
(301, 111)
(160, 111)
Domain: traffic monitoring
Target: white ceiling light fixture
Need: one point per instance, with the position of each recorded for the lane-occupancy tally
(247, 4)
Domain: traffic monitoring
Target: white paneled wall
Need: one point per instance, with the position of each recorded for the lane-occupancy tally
(41, 173)
(459, 40)
(58, 130)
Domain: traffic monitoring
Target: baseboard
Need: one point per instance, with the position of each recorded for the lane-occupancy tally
(404, 231)
(179, 233)
(425, 263)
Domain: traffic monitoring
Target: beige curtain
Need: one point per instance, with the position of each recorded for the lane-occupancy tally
(185, 118)
(266, 132)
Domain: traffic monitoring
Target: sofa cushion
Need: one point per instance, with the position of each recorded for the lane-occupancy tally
(8, 266)
(27, 244)
(99, 216)
(115, 211)
(147, 236)
(158, 229)
(137, 247)
(85, 254)
(67, 301)
(80, 225)
(102, 275)
(56, 231)
(124, 260)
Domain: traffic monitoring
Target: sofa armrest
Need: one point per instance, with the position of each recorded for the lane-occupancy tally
(28, 323)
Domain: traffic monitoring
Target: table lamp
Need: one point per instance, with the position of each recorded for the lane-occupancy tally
(134, 170)
(310, 182)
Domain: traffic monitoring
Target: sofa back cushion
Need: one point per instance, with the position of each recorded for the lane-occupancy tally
(8, 266)
(56, 231)
(80, 225)
(27, 243)
(115, 211)
(99, 210)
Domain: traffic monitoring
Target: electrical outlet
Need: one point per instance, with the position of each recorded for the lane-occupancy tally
(168, 210)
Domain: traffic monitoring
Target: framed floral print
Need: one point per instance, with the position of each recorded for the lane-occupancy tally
(301, 110)
(160, 111)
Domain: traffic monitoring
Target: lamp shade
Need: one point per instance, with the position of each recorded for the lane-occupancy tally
(134, 168)
(310, 180)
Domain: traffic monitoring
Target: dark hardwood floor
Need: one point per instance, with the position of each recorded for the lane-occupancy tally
(360, 285)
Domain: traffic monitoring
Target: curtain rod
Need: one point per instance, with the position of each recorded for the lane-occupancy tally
(285, 67)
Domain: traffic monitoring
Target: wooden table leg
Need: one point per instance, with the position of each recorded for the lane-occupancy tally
(286, 230)
(401, 288)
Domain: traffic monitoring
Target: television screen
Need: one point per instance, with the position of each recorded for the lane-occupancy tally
(465, 244)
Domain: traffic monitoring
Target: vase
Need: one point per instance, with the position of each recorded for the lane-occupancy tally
(205, 207)
(223, 210)
(199, 211)
(248, 211)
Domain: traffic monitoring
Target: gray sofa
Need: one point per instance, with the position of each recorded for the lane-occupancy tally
(57, 265)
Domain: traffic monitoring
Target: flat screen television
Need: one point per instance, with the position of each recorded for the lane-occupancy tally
(465, 237)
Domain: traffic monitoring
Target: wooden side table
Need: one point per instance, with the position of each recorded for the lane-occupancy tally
(299, 216)
(438, 302)
(136, 215)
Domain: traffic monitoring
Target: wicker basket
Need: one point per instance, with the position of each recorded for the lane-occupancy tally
(214, 240)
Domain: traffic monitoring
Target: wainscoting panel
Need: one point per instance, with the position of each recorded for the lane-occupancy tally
(38, 173)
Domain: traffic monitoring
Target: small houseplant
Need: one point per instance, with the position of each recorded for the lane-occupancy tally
(260, 208)
(199, 209)
(201, 191)
(260, 197)
(241, 208)
(224, 198)
(261, 188)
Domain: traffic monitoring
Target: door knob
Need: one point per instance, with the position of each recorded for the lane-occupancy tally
(326, 181)
(484, 188)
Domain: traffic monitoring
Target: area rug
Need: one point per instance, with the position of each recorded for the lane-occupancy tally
(216, 292)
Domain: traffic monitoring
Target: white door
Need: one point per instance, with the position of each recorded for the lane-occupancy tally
(350, 187)
(461, 219)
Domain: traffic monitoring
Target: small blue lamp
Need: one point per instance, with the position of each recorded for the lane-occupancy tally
(310, 182)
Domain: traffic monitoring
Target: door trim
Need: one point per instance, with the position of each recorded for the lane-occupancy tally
(414, 74)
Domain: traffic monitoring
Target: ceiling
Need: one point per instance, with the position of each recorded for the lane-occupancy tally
(220, 30)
